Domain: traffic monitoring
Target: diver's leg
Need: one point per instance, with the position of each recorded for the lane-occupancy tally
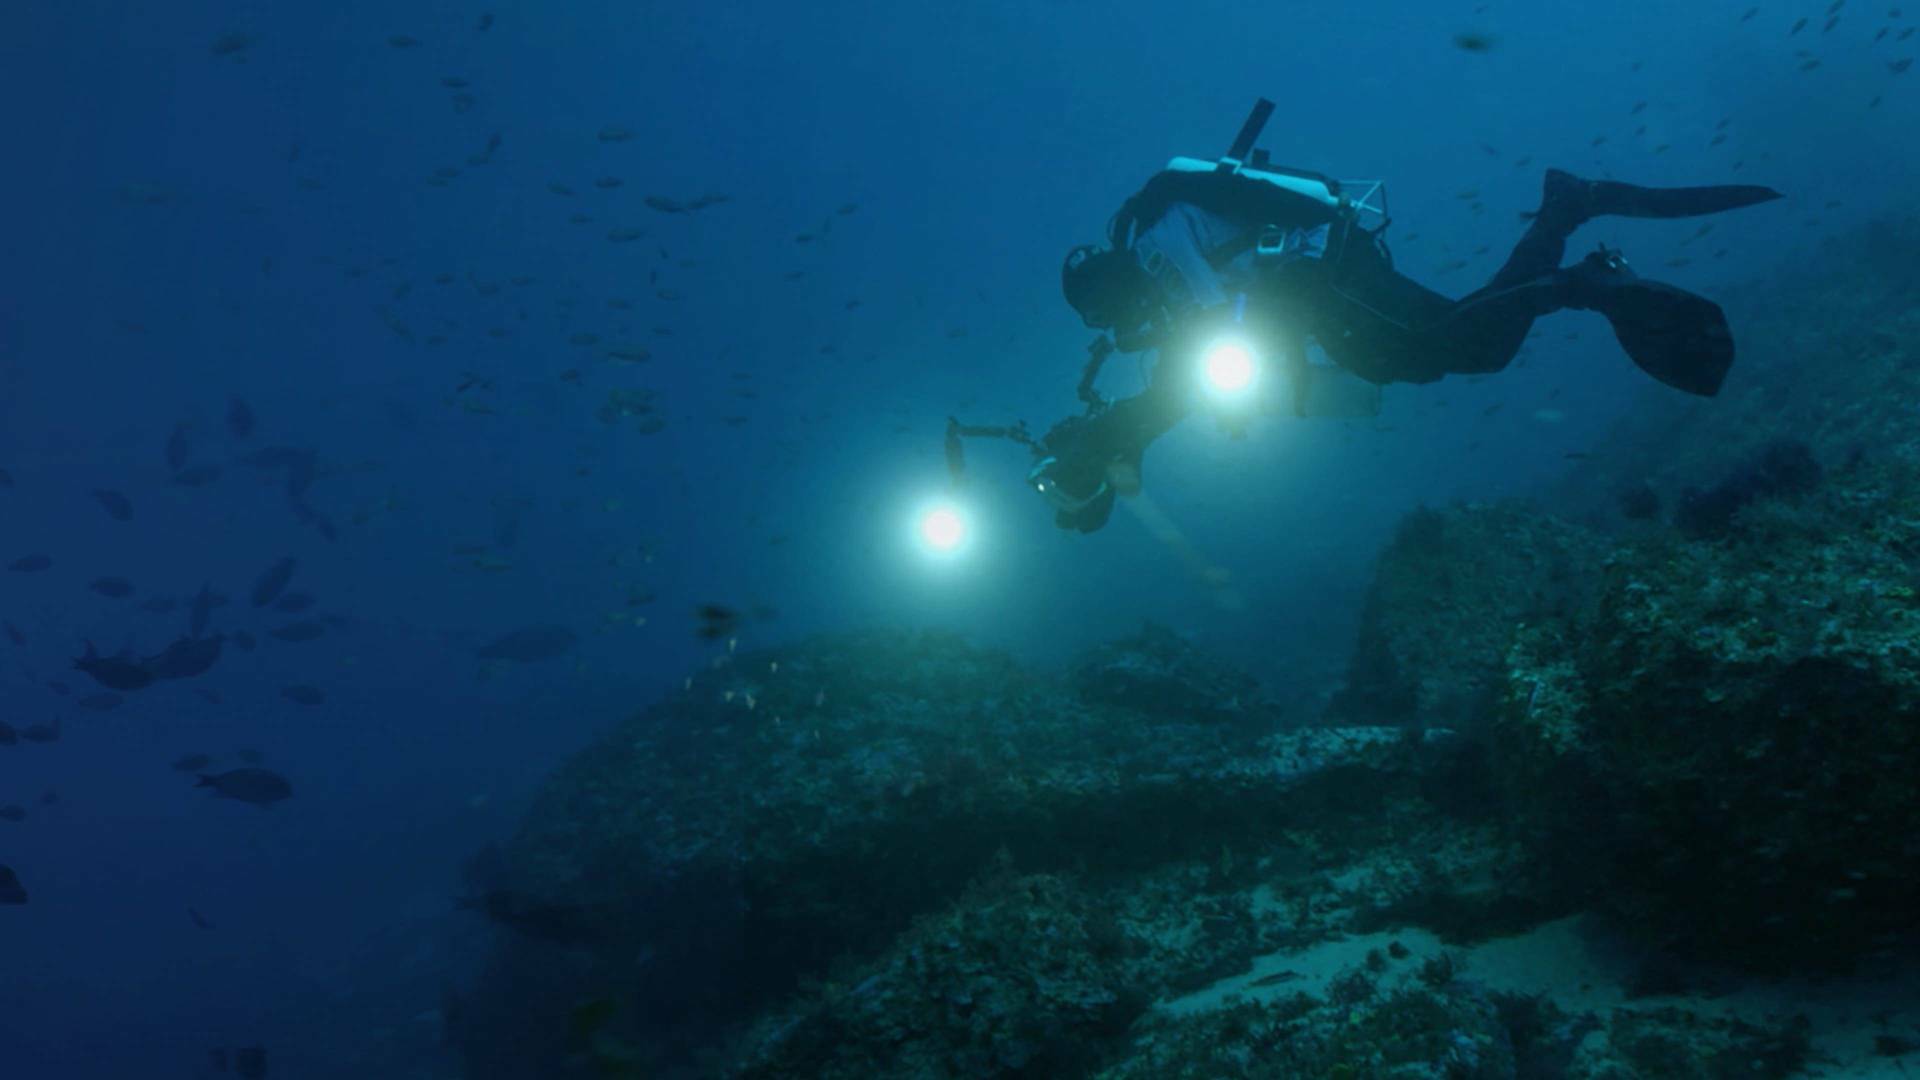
(1679, 338)
(1568, 202)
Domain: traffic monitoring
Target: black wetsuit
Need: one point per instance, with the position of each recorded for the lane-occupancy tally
(1340, 289)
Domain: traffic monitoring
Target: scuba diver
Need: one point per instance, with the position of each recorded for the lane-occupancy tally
(1220, 265)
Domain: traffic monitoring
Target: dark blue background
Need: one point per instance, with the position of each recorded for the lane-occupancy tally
(167, 247)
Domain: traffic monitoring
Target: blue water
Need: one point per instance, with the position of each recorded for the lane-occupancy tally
(186, 226)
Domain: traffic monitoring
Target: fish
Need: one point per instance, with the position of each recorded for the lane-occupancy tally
(192, 763)
(186, 657)
(178, 448)
(403, 41)
(14, 635)
(113, 588)
(1798, 26)
(1900, 65)
(1751, 12)
(615, 134)
(484, 23)
(267, 588)
(114, 672)
(49, 797)
(259, 787)
(1473, 42)
(30, 564)
(8, 736)
(6, 479)
(304, 695)
(250, 1062)
(117, 505)
(304, 630)
(101, 702)
(240, 420)
(199, 920)
(11, 891)
(530, 644)
(13, 812)
(293, 602)
(232, 43)
(716, 621)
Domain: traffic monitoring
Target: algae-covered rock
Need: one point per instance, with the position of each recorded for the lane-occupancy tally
(792, 810)
(1735, 731)
(1156, 671)
(1446, 599)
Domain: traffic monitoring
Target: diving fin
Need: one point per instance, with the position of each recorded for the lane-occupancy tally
(1577, 200)
(1678, 337)
(1675, 336)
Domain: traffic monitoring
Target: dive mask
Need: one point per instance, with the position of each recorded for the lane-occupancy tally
(1042, 480)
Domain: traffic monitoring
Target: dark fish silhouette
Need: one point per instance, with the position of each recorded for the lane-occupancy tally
(270, 584)
(41, 733)
(114, 672)
(192, 763)
(13, 634)
(11, 891)
(199, 920)
(117, 506)
(14, 813)
(304, 695)
(30, 564)
(178, 448)
(112, 587)
(305, 630)
(239, 418)
(256, 786)
(250, 1062)
(530, 644)
(8, 736)
(716, 621)
(186, 658)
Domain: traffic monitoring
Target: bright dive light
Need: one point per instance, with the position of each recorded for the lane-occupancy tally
(1229, 367)
(942, 529)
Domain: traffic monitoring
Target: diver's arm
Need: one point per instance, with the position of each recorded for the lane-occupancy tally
(1124, 431)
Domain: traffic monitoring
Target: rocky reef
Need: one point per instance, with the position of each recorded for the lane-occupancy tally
(1608, 765)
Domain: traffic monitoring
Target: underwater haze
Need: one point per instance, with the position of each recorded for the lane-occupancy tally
(470, 611)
